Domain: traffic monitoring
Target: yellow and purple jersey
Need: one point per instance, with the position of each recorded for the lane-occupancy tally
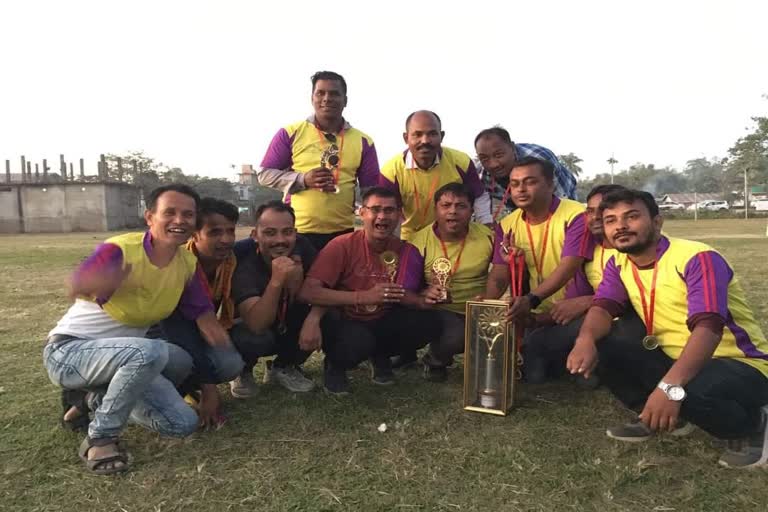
(416, 187)
(588, 277)
(563, 234)
(300, 147)
(469, 279)
(692, 280)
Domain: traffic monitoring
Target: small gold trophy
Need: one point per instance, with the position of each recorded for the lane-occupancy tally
(490, 358)
(390, 261)
(330, 160)
(441, 272)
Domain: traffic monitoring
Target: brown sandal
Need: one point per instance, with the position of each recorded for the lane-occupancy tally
(95, 466)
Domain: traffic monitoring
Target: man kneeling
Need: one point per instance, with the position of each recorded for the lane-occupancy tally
(704, 358)
(375, 278)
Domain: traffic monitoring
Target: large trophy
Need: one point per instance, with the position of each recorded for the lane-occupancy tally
(330, 160)
(389, 260)
(490, 358)
(441, 274)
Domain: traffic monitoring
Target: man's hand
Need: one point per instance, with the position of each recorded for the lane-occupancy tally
(660, 413)
(566, 310)
(520, 307)
(319, 178)
(509, 248)
(208, 408)
(431, 295)
(295, 278)
(310, 336)
(382, 293)
(283, 268)
(583, 357)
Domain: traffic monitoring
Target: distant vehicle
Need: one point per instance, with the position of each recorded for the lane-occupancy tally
(671, 206)
(711, 205)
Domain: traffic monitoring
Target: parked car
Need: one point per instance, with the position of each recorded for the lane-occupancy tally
(711, 205)
(671, 206)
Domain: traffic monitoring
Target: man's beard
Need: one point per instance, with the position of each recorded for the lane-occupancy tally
(638, 247)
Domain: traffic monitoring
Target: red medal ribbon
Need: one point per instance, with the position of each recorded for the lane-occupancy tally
(538, 262)
(648, 307)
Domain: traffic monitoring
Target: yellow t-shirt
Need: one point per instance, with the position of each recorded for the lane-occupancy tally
(472, 274)
(567, 236)
(692, 278)
(300, 147)
(417, 186)
(148, 294)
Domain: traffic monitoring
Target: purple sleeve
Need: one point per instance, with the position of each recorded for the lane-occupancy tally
(471, 179)
(498, 237)
(368, 172)
(707, 276)
(106, 259)
(578, 240)
(411, 276)
(578, 286)
(195, 300)
(279, 154)
(611, 287)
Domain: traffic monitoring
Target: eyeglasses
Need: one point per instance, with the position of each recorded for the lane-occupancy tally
(330, 138)
(386, 210)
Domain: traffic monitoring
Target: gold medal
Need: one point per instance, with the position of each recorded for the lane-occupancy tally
(650, 342)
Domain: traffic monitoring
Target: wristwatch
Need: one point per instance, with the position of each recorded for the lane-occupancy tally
(533, 300)
(674, 392)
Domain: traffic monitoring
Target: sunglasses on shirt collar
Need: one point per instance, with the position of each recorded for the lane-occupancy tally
(330, 137)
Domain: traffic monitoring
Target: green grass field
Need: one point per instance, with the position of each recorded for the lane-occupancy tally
(313, 452)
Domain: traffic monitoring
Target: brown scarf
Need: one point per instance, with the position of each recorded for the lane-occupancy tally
(222, 287)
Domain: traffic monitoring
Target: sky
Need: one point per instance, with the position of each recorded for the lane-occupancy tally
(204, 85)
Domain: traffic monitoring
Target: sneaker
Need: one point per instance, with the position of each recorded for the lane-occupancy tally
(404, 361)
(381, 372)
(243, 386)
(636, 432)
(335, 381)
(291, 378)
(435, 373)
(749, 452)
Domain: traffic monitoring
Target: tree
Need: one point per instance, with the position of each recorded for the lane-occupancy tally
(749, 153)
(705, 175)
(136, 168)
(571, 161)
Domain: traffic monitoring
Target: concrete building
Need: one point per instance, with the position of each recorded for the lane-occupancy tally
(68, 206)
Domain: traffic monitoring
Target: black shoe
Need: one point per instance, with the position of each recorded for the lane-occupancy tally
(381, 371)
(335, 380)
(435, 374)
(404, 361)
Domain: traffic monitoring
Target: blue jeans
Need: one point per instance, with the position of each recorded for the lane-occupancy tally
(127, 374)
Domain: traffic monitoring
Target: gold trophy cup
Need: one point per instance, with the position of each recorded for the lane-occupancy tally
(330, 160)
(441, 272)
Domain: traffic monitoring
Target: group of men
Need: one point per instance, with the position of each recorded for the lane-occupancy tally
(183, 307)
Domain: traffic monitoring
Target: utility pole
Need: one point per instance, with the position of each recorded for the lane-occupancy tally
(612, 161)
(746, 195)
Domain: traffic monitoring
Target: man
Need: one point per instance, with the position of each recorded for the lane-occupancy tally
(550, 231)
(424, 167)
(212, 245)
(129, 283)
(264, 289)
(496, 154)
(548, 345)
(316, 162)
(374, 278)
(704, 358)
(469, 247)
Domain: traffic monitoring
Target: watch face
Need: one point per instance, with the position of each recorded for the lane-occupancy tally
(676, 393)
